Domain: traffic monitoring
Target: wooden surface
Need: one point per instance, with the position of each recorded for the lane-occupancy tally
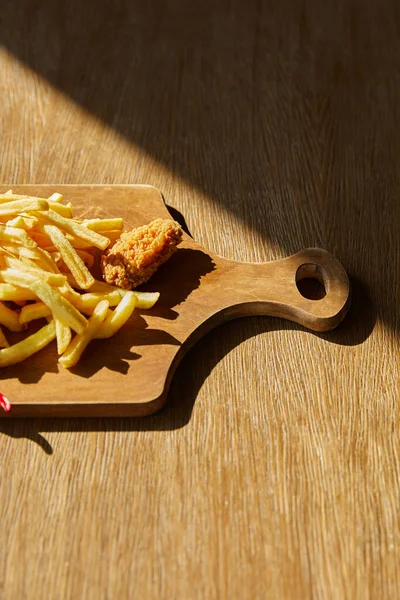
(198, 291)
(273, 471)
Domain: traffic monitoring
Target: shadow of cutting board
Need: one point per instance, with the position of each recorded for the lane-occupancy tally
(129, 374)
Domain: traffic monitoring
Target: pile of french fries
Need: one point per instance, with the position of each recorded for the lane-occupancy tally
(45, 261)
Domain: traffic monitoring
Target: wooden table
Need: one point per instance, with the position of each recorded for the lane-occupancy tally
(273, 472)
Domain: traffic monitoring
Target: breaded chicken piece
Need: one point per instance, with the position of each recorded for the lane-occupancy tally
(135, 257)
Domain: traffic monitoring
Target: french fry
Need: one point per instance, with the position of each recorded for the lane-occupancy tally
(102, 225)
(13, 235)
(98, 286)
(56, 257)
(63, 335)
(14, 293)
(87, 258)
(10, 248)
(80, 342)
(33, 343)
(86, 303)
(70, 257)
(56, 197)
(31, 312)
(76, 229)
(31, 253)
(17, 206)
(53, 202)
(65, 210)
(16, 222)
(3, 340)
(10, 197)
(43, 259)
(39, 257)
(118, 317)
(60, 307)
(10, 319)
(71, 280)
(103, 287)
(146, 300)
(41, 239)
(30, 221)
(77, 242)
(112, 234)
(23, 221)
(55, 279)
(29, 262)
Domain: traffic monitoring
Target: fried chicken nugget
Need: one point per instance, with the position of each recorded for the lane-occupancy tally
(135, 257)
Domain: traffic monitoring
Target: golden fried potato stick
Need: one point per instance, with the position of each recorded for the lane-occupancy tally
(145, 300)
(10, 197)
(112, 234)
(101, 225)
(3, 340)
(10, 319)
(78, 243)
(98, 286)
(55, 279)
(80, 342)
(22, 252)
(56, 257)
(88, 259)
(33, 343)
(17, 222)
(13, 235)
(31, 312)
(27, 262)
(118, 317)
(105, 288)
(65, 210)
(60, 307)
(70, 257)
(18, 206)
(64, 335)
(53, 202)
(23, 221)
(10, 249)
(40, 238)
(30, 221)
(43, 259)
(15, 293)
(86, 303)
(74, 228)
(56, 197)
(31, 256)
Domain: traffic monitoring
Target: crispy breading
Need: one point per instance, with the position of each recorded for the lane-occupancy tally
(135, 257)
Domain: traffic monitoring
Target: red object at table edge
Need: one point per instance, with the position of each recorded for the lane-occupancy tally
(5, 403)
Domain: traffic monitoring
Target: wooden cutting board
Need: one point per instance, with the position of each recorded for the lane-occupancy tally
(129, 374)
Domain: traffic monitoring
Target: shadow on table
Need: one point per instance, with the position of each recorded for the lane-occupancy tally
(285, 114)
(194, 369)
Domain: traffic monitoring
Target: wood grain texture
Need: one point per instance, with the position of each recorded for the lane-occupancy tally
(273, 471)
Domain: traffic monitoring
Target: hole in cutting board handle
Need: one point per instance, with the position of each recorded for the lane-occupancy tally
(312, 281)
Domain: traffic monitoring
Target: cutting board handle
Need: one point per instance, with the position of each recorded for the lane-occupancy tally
(271, 289)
